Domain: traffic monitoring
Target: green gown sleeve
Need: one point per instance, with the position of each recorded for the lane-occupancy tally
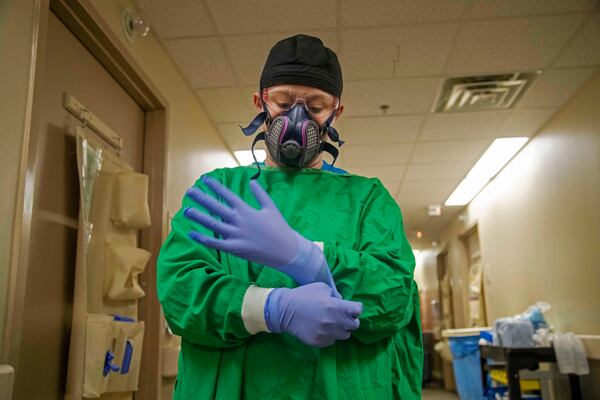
(201, 301)
(377, 270)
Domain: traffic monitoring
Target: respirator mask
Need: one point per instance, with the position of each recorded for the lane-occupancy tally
(293, 137)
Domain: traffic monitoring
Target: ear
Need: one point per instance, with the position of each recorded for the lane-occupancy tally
(257, 102)
(339, 111)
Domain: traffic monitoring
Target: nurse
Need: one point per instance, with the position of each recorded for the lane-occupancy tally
(294, 280)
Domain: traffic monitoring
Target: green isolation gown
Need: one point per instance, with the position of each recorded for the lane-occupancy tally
(201, 291)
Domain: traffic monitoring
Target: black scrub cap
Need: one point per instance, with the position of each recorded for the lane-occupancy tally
(303, 60)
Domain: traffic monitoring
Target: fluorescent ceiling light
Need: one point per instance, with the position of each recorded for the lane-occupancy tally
(490, 163)
(244, 157)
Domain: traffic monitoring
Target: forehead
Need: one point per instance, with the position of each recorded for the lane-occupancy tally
(298, 90)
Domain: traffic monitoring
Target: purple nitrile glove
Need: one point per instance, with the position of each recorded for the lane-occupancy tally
(260, 236)
(311, 314)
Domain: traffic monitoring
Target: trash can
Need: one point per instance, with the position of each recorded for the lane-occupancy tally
(464, 345)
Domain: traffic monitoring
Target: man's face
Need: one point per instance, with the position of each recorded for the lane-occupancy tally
(280, 98)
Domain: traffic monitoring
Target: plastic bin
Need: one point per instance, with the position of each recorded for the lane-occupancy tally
(464, 345)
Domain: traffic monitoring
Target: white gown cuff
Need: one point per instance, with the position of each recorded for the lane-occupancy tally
(253, 309)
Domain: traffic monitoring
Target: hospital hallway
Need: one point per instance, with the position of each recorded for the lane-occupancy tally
(318, 199)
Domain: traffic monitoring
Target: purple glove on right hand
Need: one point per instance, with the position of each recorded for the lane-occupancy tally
(312, 314)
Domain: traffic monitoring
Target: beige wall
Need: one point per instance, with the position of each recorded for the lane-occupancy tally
(539, 223)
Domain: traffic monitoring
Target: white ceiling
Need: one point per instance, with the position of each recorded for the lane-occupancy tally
(396, 53)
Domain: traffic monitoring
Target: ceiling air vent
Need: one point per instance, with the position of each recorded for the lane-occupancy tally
(490, 92)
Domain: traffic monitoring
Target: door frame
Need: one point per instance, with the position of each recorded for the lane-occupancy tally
(96, 35)
(464, 239)
(444, 272)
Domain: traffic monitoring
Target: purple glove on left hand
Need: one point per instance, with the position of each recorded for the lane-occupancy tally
(260, 236)
(311, 314)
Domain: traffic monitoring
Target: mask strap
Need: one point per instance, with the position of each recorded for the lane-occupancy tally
(266, 110)
(255, 123)
(334, 135)
(331, 149)
(260, 136)
(261, 118)
(331, 131)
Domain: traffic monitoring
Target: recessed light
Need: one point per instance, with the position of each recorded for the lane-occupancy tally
(491, 162)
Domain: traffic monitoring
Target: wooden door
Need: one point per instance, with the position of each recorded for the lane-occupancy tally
(445, 287)
(69, 67)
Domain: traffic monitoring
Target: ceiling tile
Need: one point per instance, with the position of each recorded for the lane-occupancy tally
(391, 186)
(511, 44)
(554, 87)
(435, 187)
(381, 12)
(390, 173)
(234, 16)
(403, 96)
(526, 122)
(202, 61)
(231, 129)
(380, 130)
(512, 8)
(415, 50)
(584, 49)
(248, 53)
(410, 203)
(186, 18)
(464, 125)
(359, 155)
(448, 152)
(437, 171)
(229, 104)
(234, 137)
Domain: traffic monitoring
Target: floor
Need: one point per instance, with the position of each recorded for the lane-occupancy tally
(438, 394)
